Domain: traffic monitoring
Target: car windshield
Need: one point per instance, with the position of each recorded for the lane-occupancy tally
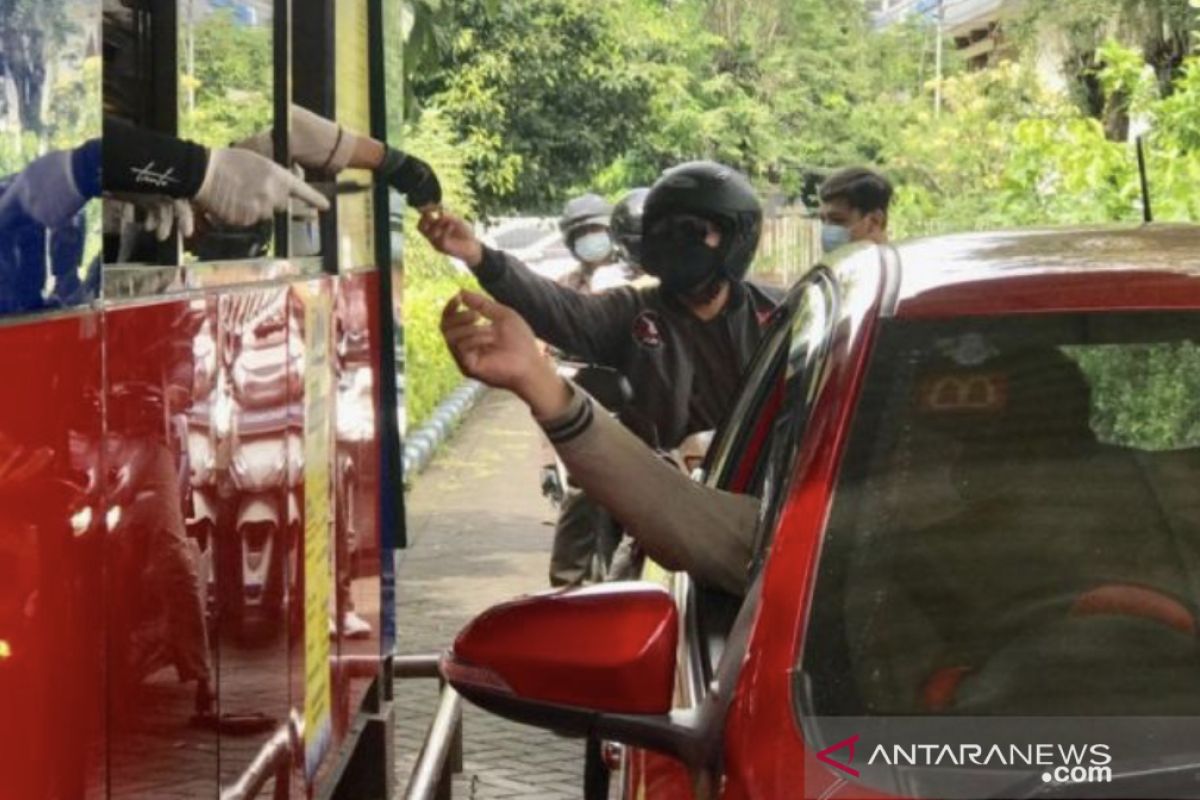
(1016, 528)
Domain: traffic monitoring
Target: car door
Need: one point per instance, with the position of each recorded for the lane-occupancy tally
(751, 453)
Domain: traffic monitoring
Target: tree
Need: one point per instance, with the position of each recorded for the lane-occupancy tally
(539, 95)
(30, 32)
(1162, 30)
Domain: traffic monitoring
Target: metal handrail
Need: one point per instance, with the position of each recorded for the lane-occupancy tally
(441, 752)
(430, 778)
(273, 760)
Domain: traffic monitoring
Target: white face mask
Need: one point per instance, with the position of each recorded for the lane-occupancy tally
(833, 237)
(593, 248)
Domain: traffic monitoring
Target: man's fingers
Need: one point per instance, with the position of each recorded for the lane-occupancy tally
(487, 307)
(460, 333)
(454, 306)
(469, 340)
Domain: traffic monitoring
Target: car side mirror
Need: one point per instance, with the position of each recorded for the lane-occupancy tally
(558, 659)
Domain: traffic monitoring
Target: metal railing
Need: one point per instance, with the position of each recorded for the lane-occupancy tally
(273, 760)
(441, 753)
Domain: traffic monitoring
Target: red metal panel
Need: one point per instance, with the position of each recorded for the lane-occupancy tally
(256, 548)
(160, 641)
(52, 727)
(356, 480)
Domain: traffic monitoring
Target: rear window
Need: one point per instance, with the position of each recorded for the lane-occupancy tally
(1007, 595)
(1016, 530)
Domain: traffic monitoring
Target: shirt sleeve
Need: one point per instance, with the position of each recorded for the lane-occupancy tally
(680, 523)
(143, 161)
(594, 327)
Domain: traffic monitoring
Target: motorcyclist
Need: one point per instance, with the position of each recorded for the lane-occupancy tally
(626, 230)
(585, 535)
(585, 230)
(682, 344)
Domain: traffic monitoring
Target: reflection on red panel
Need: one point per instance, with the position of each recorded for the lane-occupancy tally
(51, 568)
(160, 636)
(256, 546)
(357, 482)
(153, 533)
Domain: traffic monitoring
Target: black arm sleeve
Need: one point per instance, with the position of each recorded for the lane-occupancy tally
(594, 327)
(140, 160)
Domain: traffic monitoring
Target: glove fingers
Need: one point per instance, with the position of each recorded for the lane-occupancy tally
(301, 191)
(186, 217)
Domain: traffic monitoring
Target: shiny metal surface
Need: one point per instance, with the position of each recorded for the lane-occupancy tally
(427, 775)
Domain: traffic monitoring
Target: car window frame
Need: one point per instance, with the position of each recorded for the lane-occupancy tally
(770, 382)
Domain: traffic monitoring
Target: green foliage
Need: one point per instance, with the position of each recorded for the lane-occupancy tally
(1144, 396)
(232, 81)
(429, 277)
(540, 98)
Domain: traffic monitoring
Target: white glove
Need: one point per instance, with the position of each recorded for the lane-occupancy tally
(44, 191)
(163, 213)
(241, 188)
(316, 143)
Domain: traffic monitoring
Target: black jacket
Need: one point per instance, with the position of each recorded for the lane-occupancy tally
(684, 372)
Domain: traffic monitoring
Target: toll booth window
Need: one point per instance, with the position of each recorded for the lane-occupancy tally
(227, 96)
(49, 155)
(200, 76)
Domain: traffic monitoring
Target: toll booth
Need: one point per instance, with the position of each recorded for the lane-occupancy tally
(199, 456)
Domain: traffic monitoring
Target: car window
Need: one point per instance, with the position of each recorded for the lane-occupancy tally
(1016, 526)
(737, 458)
(753, 450)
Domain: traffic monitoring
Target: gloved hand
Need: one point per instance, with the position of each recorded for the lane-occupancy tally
(316, 143)
(44, 191)
(241, 188)
(163, 213)
(413, 178)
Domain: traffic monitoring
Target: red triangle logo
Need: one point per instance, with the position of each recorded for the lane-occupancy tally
(844, 766)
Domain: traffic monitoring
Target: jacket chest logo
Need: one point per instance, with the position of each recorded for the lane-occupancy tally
(647, 330)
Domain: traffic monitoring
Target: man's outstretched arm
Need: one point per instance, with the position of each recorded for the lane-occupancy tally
(679, 523)
(592, 327)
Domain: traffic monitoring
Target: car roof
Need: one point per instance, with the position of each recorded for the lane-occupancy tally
(1155, 266)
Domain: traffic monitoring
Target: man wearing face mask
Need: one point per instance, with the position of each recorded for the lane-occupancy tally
(585, 230)
(854, 208)
(683, 343)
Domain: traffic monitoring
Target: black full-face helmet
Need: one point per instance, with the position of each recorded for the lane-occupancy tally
(582, 212)
(713, 192)
(627, 224)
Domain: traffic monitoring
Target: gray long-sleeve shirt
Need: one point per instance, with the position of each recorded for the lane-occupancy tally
(684, 371)
(681, 524)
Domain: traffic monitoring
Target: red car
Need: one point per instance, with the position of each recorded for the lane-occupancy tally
(977, 569)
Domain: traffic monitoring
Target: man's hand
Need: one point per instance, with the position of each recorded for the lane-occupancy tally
(453, 236)
(493, 344)
(242, 188)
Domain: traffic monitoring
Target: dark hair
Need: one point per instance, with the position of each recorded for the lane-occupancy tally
(864, 190)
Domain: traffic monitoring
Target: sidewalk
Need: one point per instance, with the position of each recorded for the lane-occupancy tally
(479, 532)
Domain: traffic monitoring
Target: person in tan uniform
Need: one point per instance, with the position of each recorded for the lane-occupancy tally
(681, 524)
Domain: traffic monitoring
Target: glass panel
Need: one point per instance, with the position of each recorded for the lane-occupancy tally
(1017, 527)
(226, 94)
(49, 111)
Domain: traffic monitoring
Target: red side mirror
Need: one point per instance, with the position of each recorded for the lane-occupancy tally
(560, 658)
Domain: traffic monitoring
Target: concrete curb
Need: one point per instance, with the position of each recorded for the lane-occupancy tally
(422, 443)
